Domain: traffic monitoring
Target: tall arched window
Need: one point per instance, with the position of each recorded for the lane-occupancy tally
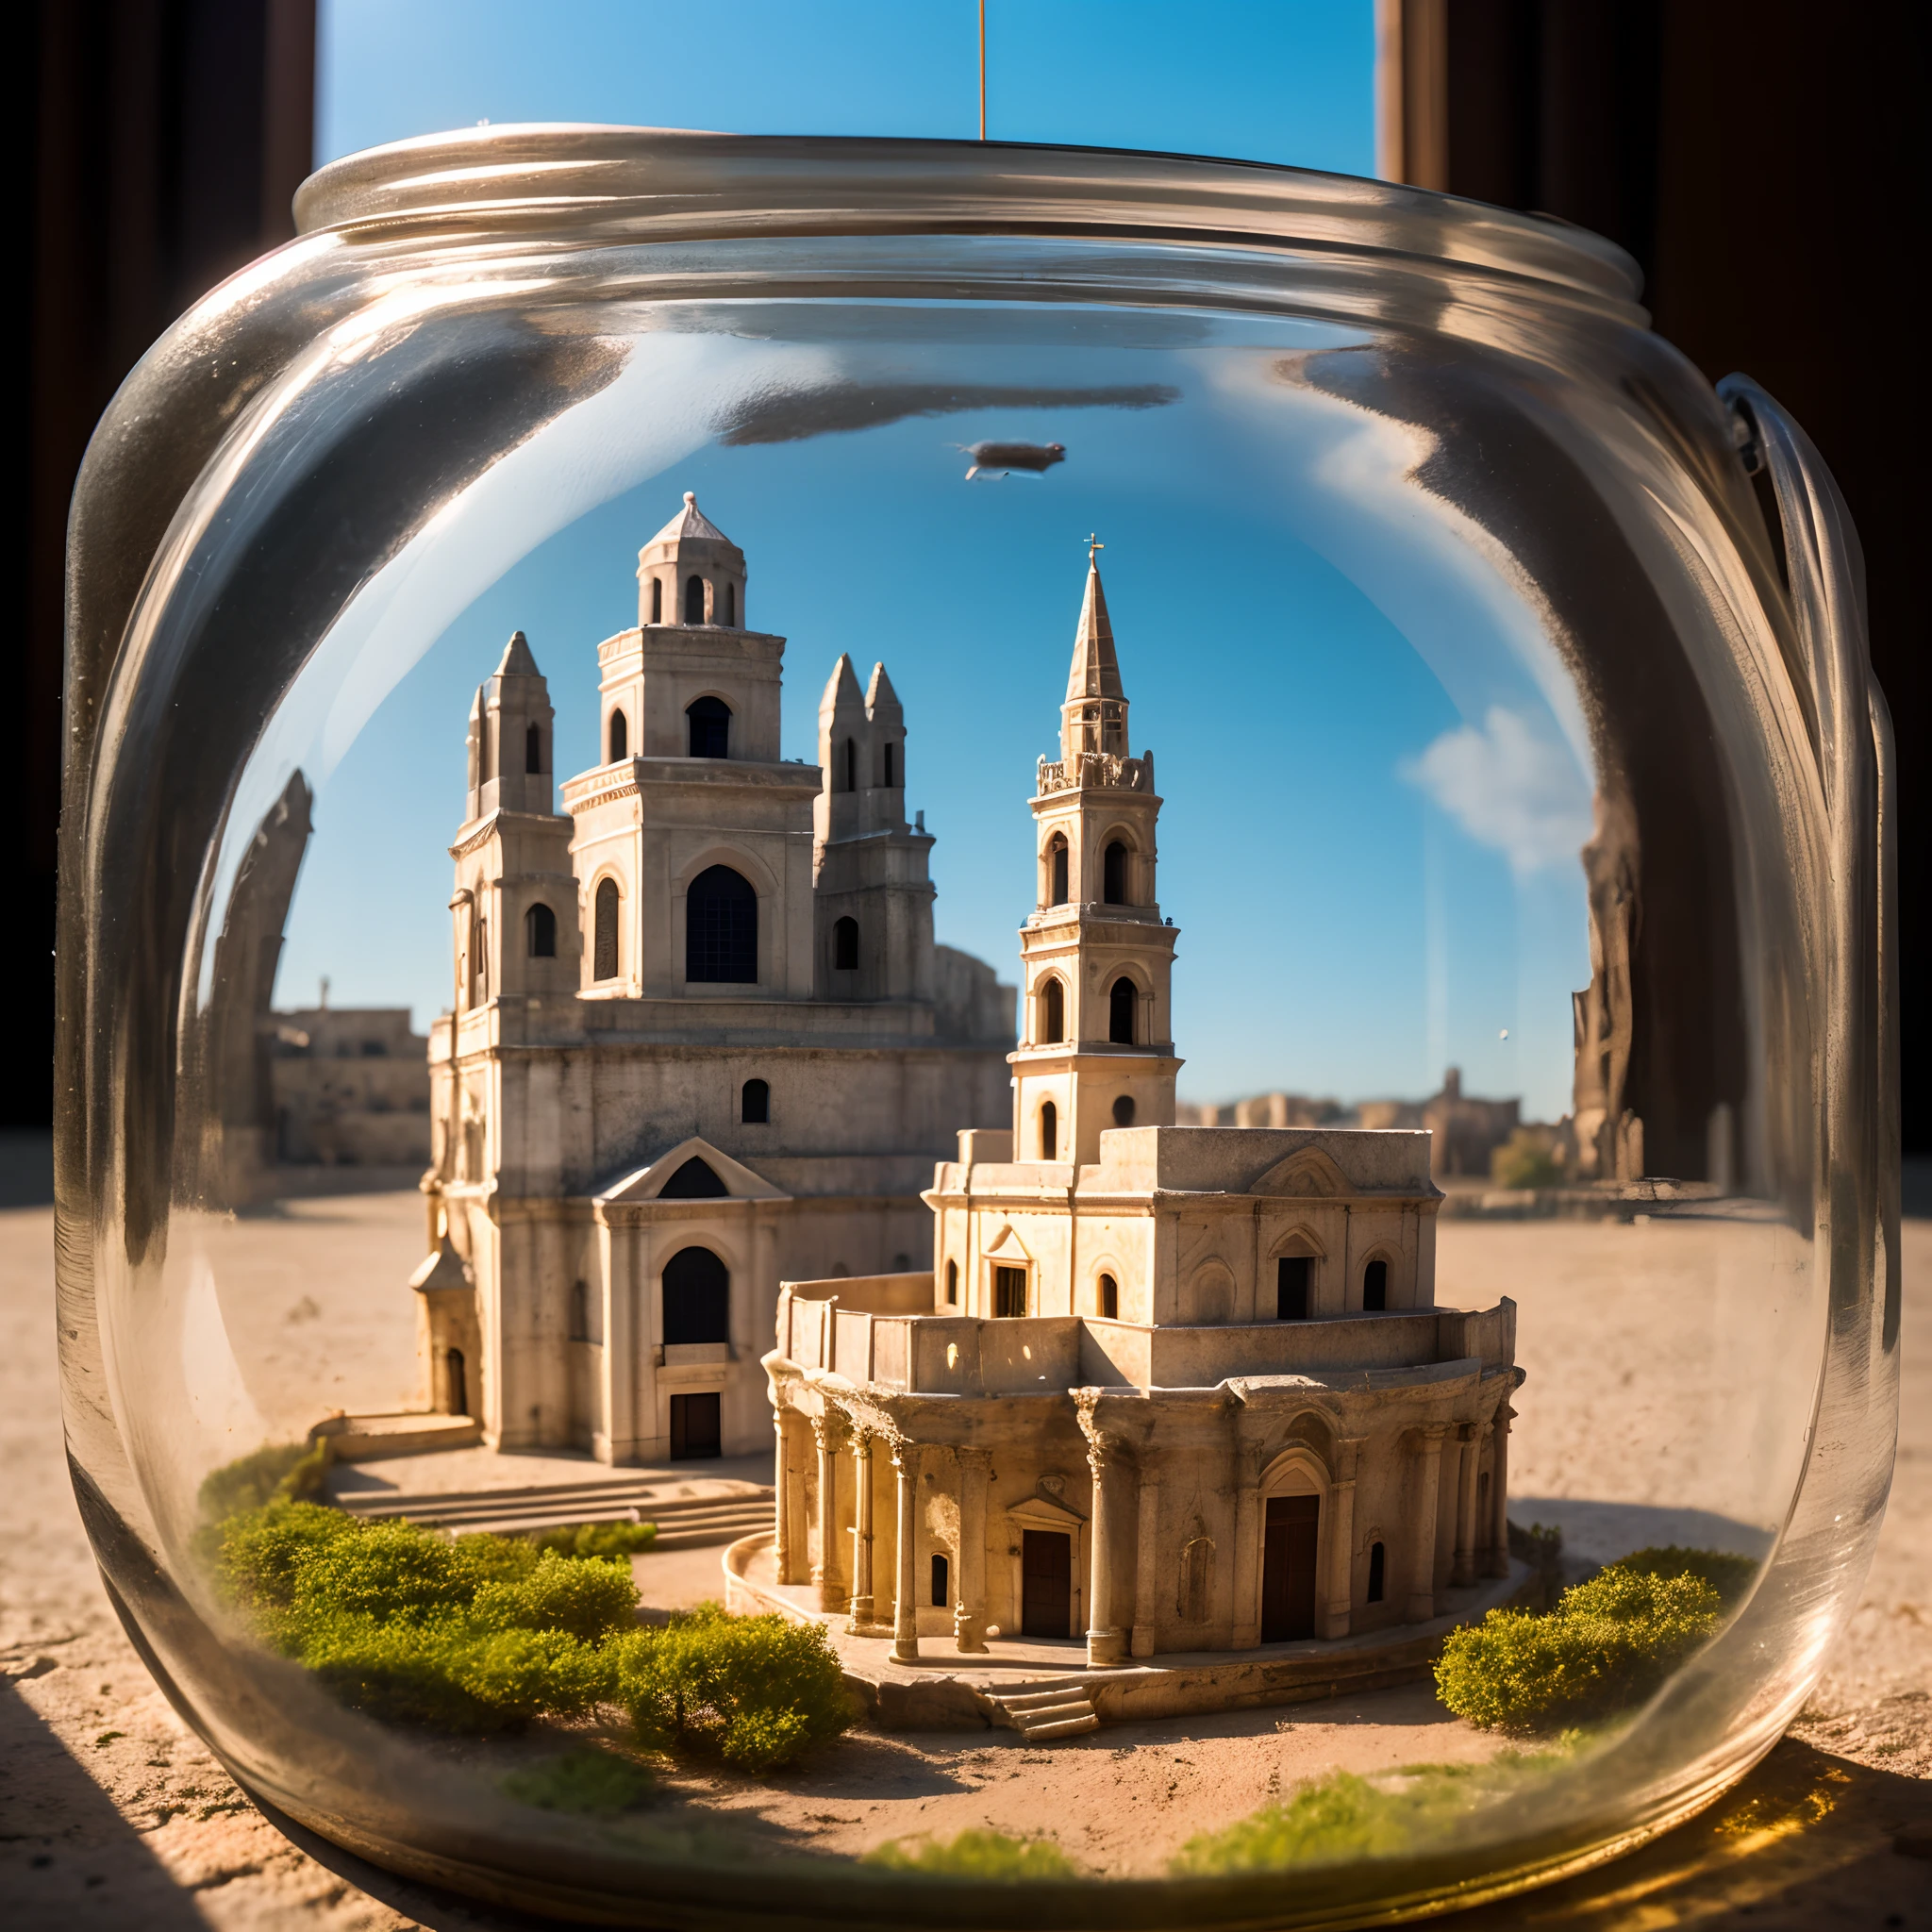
(456, 1382)
(540, 923)
(1110, 1299)
(694, 600)
(657, 600)
(1122, 998)
(1124, 1110)
(1294, 1284)
(1113, 867)
(710, 727)
(730, 603)
(1375, 1287)
(619, 739)
(1053, 1013)
(697, 1298)
(1056, 871)
(579, 1312)
(846, 945)
(1049, 1131)
(604, 948)
(721, 929)
(755, 1104)
(852, 764)
(952, 1284)
(1378, 1569)
(885, 778)
(533, 748)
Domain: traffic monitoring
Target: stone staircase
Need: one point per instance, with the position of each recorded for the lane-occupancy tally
(683, 1523)
(1042, 1716)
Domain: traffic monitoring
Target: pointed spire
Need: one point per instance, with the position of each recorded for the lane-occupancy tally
(517, 660)
(1096, 671)
(880, 693)
(690, 521)
(842, 689)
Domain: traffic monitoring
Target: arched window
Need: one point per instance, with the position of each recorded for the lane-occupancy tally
(710, 727)
(695, 1180)
(1379, 1567)
(694, 600)
(721, 929)
(846, 945)
(1122, 998)
(456, 1382)
(885, 778)
(941, 1594)
(1056, 871)
(730, 603)
(697, 1298)
(1114, 868)
(657, 600)
(1294, 1286)
(1375, 1287)
(1110, 1299)
(540, 922)
(579, 1312)
(619, 739)
(1124, 1110)
(852, 764)
(1053, 1013)
(1049, 1131)
(953, 1284)
(755, 1104)
(604, 948)
(533, 748)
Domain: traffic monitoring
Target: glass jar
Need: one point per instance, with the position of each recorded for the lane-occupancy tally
(1481, 688)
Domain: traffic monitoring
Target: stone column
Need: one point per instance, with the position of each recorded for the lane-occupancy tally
(1496, 1561)
(1470, 1440)
(861, 1619)
(825, 1574)
(781, 1542)
(793, 1499)
(969, 1591)
(1421, 1549)
(1107, 1637)
(1247, 1549)
(1342, 1538)
(906, 1597)
(1147, 1569)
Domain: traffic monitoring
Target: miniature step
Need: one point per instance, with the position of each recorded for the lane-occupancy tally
(1041, 1716)
(683, 1522)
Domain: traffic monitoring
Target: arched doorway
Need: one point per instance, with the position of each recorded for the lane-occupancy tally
(1292, 1541)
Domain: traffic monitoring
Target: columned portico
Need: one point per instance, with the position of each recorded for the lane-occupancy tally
(827, 1430)
(1107, 1631)
(1422, 1553)
(861, 1621)
(906, 1460)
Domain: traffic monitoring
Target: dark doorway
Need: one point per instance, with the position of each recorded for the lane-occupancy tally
(941, 1584)
(721, 929)
(1288, 1568)
(458, 1382)
(1008, 1291)
(1375, 1287)
(697, 1428)
(1379, 1567)
(1291, 1273)
(846, 945)
(697, 1299)
(1046, 1583)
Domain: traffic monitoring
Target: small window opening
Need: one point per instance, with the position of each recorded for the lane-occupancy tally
(1375, 1287)
(1292, 1275)
(542, 924)
(1124, 1110)
(1377, 1570)
(619, 739)
(603, 955)
(695, 601)
(1049, 1131)
(952, 1284)
(755, 1104)
(852, 764)
(1056, 858)
(710, 727)
(1110, 1299)
(941, 1597)
(846, 945)
(885, 778)
(730, 603)
(1053, 1013)
(657, 600)
(533, 749)
(1113, 887)
(1009, 1292)
(579, 1312)
(458, 1382)
(1122, 998)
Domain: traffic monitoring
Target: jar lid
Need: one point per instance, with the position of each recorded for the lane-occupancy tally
(676, 184)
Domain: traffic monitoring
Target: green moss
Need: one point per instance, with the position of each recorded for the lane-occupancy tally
(980, 1854)
(282, 1472)
(756, 1692)
(598, 1539)
(1607, 1644)
(588, 1782)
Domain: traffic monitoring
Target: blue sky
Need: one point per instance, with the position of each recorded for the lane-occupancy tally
(1372, 805)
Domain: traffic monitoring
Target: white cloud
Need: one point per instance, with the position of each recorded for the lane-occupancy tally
(1508, 789)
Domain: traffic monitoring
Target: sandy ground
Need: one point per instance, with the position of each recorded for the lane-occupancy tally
(111, 1814)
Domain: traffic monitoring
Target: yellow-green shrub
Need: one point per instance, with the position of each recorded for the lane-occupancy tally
(978, 1854)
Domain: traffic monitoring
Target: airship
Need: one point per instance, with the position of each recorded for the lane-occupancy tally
(1004, 458)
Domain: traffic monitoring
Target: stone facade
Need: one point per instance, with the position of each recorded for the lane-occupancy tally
(1173, 1389)
(701, 1035)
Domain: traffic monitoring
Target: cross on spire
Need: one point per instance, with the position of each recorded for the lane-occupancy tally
(1094, 546)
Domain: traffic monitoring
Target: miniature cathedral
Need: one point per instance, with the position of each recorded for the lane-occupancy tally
(701, 1036)
(1167, 1389)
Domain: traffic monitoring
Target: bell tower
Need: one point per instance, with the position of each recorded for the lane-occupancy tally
(1096, 1047)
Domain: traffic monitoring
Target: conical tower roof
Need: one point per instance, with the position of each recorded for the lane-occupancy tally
(690, 521)
(517, 660)
(1096, 671)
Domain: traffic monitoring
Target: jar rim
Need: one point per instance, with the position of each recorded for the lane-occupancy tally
(687, 184)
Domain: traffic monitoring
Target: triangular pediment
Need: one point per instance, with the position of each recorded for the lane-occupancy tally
(737, 1182)
(1307, 1175)
(1042, 1513)
(1008, 1248)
